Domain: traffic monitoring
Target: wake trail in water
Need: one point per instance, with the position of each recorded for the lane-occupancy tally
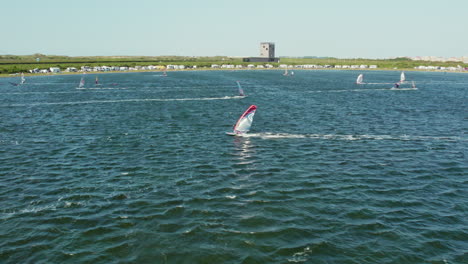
(268, 135)
(377, 83)
(124, 89)
(101, 88)
(364, 90)
(126, 101)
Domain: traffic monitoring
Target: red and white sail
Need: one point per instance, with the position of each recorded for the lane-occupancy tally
(245, 121)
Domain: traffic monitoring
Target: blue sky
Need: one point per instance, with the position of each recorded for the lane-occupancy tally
(336, 28)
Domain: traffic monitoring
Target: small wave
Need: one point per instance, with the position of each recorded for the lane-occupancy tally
(32, 210)
(301, 256)
(267, 135)
(73, 204)
(9, 142)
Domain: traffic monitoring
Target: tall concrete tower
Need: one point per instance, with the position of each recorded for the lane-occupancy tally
(267, 50)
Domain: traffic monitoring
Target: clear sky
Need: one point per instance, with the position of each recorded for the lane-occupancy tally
(335, 28)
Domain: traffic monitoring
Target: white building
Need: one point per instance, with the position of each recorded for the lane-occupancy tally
(267, 50)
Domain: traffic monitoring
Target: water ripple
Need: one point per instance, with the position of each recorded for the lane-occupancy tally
(113, 176)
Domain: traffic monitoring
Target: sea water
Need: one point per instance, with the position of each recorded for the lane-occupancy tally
(139, 169)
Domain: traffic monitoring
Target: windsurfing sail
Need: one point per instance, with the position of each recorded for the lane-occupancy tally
(285, 72)
(96, 81)
(241, 91)
(245, 121)
(402, 77)
(413, 85)
(81, 85)
(360, 79)
(23, 80)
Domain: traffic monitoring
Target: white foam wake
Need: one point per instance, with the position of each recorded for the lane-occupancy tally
(126, 101)
(101, 88)
(378, 83)
(364, 90)
(268, 135)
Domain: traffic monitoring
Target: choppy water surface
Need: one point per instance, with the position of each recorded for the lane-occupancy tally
(139, 170)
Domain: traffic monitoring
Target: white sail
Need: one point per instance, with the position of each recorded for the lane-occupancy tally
(360, 79)
(23, 80)
(81, 85)
(402, 77)
(241, 91)
(285, 72)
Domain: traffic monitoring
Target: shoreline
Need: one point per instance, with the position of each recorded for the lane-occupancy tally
(217, 69)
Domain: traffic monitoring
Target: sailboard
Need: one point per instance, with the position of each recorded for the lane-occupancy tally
(82, 82)
(360, 79)
(241, 91)
(96, 82)
(22, 81)
(244, 123)
(285, 72)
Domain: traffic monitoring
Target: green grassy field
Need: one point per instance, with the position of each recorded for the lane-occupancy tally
(10, 64)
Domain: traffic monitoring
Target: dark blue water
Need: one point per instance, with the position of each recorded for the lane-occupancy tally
(139, 170)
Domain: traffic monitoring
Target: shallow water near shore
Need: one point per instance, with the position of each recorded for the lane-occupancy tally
(139, 169)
